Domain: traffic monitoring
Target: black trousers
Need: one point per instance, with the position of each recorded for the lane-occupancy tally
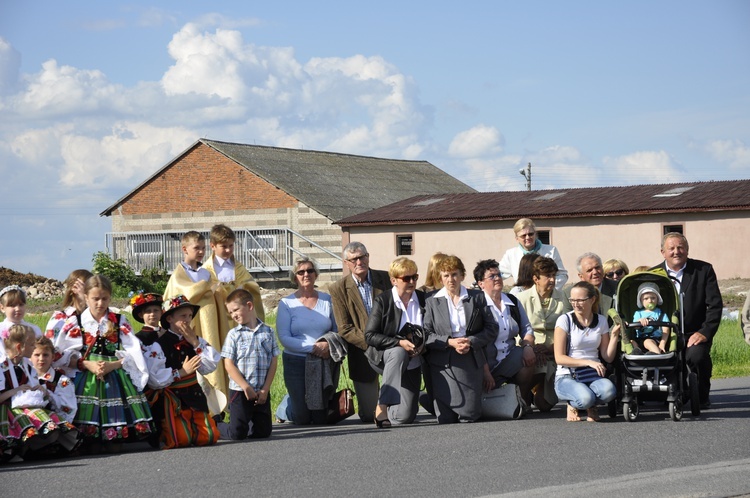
(241, 413)
(699, 359)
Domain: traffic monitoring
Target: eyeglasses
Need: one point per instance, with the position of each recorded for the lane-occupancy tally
(354, 259)
(612, 274)
(578, 301)
(526, 235)
(308, 271)
(493, 276)
(409, 278)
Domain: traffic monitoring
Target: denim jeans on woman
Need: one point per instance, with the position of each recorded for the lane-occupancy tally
(583, 396)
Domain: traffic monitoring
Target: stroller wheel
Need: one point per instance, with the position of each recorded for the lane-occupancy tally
(630, 411)
(695, 404)
(675, 410)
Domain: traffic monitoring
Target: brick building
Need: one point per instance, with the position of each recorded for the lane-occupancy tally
(280, 202)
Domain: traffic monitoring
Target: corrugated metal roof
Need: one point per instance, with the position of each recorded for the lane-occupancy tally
(333, 184)
(560, 203)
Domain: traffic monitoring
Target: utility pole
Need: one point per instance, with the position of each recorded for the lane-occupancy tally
(526, 173)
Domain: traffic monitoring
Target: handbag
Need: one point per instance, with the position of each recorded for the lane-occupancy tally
(503, 403)
(586, 375)
(414, 334)
(340, 406)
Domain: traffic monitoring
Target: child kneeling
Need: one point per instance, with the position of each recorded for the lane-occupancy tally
(173, 360)
(249, 353)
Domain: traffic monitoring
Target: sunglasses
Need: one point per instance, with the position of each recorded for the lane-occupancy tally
(493, 276)
(409, 278)
(612, 274)
(354, 259)
(308, 271)
(526, 235)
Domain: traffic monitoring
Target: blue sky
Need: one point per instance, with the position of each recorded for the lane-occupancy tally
(96, 96)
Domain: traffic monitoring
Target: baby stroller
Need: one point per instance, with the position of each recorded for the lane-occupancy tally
(653, 377)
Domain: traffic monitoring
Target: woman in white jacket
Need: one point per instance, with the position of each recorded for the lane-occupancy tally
(528, 242)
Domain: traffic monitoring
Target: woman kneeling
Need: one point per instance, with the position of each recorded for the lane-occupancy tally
(581, 336)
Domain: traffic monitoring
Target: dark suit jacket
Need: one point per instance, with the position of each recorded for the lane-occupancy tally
(481, 328)
(383, 325)
(702, 303)
(609, 287)
(351, 319)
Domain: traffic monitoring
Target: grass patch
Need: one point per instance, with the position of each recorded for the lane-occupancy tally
(730, 353)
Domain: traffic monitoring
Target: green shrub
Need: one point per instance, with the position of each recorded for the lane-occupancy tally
(124, 279)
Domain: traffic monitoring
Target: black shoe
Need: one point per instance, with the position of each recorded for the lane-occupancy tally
(637, 351)
(705, 405)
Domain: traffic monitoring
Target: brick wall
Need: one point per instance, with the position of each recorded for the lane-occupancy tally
(205, 187)
(204, 180)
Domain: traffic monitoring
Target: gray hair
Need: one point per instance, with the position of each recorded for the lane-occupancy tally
(353, 247)
(675, 235)
(297, 263)
(588, 255)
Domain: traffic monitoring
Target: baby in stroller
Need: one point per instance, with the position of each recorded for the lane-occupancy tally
(652, 339)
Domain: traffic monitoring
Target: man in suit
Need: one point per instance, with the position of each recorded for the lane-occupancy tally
(352, 298)
(591, 270)
(702, 305)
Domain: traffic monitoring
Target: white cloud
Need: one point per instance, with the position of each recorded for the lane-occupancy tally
(479, 141)
(131, 152)
(61, 90)
(732, 152)
(643, 167)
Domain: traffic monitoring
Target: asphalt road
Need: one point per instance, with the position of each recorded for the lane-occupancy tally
(541, 455)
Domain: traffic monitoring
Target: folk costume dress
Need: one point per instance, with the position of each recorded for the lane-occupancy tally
(115, 408)
(211, 323)
(58, 320)
(61, 394)
(180, 402)
(28, 424)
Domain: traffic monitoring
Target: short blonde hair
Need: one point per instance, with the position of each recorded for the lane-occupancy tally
(522, 224)
(614, 264)
(401, 266)
(16, 334)
(191, 236)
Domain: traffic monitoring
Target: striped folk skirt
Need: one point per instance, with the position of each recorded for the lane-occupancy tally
(111, 409)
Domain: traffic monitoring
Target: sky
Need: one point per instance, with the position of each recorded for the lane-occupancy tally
(96, 96)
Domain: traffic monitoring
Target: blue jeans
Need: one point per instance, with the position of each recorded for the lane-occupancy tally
(583, 396)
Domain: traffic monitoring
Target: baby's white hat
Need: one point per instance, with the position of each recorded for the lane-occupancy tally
(647, 287)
